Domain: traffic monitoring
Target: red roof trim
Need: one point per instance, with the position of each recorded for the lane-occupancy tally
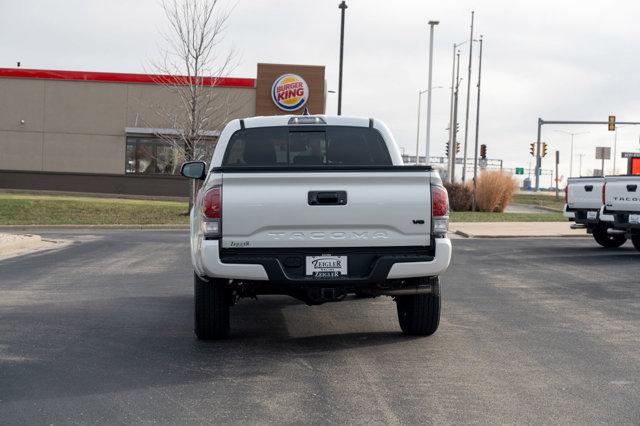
(109, 77)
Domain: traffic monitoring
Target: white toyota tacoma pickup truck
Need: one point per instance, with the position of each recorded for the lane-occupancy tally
(317, 208)
(583, 204)
(621, 198)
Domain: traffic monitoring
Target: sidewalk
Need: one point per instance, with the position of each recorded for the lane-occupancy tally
(14, 245)
(515, 229)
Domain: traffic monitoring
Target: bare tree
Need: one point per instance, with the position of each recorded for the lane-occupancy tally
(192, 63)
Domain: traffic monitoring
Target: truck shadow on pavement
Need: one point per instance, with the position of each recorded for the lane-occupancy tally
(102, 346)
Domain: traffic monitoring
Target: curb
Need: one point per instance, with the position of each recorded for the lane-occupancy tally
(132, 227)
(549, 209)
(537, 207)
(466, 235)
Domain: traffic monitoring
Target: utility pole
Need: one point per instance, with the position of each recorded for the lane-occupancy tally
(452, 148)
(466, 118)
(342, 6)
(475, 157)
(451, 124)
(557, 178)
(431, 25)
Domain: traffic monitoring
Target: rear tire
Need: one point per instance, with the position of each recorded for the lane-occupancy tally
(636, 242)
(212, 301)
(606, 240)
(419, 314)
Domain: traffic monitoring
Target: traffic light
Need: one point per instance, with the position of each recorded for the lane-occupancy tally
(446, 149)
(457, 147)
(612, 123)
(532, 149)
(543, 150)
(483, 151)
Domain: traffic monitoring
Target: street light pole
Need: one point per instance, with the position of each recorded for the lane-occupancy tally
(452, 148)
(342, 6)
(580, 155)
(453, 76)
(466, 118)
(420, 92)
(571, 155)
(615, 149)
(475, 157)
(431, 25)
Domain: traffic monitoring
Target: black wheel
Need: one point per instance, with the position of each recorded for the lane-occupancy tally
(212, 301)
(419, 314)
(636, 242)
(606, 240)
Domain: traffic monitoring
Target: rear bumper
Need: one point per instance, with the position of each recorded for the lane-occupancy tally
(621, 221)
(568, 214)
(270, 268)
(581, 216)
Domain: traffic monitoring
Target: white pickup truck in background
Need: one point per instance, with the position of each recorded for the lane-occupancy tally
(583, 205)
(317, 208)
(621, 198)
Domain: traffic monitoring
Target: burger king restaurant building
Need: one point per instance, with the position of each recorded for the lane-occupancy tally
(100, 132)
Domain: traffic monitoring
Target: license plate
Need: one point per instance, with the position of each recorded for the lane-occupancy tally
(592, 215)
(326, 266)
(634, 219)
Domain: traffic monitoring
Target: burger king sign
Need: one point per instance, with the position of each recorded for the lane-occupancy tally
(289, 92)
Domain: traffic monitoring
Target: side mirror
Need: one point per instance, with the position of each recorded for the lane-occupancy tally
(194, 170)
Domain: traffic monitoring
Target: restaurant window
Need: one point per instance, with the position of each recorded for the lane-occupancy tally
(152, 155)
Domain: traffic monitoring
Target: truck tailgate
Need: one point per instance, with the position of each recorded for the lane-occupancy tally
(585, 193)
(623, 194)
(326, 209)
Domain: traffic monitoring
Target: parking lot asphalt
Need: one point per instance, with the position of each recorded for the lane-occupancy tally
(533, 331)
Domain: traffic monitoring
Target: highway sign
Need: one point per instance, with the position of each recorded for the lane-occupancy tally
(519, 170)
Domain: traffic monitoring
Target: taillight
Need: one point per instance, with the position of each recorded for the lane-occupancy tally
(212, 204)
(604, 191)
(439, 201)
(566, 194)
(439, 211)
(212, 212)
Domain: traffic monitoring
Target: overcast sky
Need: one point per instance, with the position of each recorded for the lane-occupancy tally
(573, 60)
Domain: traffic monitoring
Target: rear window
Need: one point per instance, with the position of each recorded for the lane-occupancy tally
(286, 146)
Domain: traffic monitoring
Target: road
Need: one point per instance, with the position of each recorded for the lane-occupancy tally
(533, 331)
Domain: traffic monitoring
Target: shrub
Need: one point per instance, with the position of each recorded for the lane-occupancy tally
(494, 191)
(460, 197)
